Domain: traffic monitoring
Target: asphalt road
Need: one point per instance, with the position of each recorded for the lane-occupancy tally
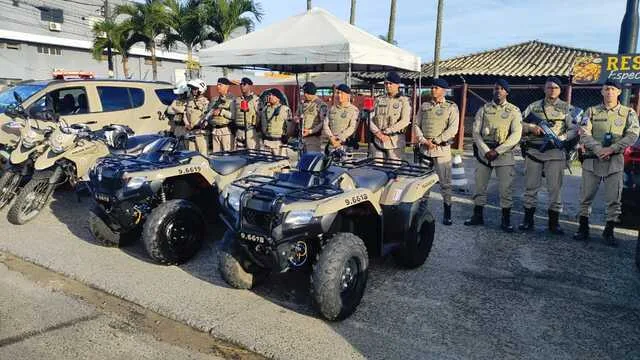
(482, 293)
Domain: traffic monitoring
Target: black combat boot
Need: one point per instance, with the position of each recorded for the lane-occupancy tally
(527, 222)
(446, 219)
(607, 234)
(554, 226)
(583, 231)
(477, 218)
(506, 220)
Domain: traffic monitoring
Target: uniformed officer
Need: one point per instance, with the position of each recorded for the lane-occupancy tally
(194, 115)
(435, 126)
(606, 131)
(275, 120)
(246, 134)
(177, 109)
(496, 130)
(342, 120)
(551, 161)
(391, 116)
(314, 111)
(220, 115)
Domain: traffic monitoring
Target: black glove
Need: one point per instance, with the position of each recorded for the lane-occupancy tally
(284, 139)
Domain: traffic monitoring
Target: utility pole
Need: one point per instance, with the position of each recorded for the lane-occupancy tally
(352, 18)
(436, 51)
(107, 17)
(391, 34)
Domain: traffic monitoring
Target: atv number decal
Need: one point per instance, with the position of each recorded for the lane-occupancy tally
(356, 199)
(251, 237)
(189, 170)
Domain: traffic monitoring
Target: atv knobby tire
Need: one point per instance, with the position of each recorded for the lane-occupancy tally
(174, 232)
(103, 233)
(340, 276)
(418, 241)
(9, 184)
(235, 267)
(32, 199)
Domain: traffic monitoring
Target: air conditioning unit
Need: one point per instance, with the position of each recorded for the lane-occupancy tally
(54, 26)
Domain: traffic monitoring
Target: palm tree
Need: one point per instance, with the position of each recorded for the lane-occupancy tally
(392, 23)
(148, 20)
(308, 5)
(117, 35)
(352, 18)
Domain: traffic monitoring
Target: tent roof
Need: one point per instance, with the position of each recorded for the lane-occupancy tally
(315, 41)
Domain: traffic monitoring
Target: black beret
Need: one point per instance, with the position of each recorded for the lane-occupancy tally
(554, 80)
(309, 88)
(615, 83)
(224, 81)
(393, 77)
(440, 82)
(504, 84)
(246, 80)
(344, 88)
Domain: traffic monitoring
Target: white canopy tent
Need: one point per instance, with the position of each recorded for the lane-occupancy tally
(315, 41)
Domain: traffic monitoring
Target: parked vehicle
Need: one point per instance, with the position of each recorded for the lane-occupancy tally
(631, 187)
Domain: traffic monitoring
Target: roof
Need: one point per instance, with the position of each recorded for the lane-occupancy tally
(527, 59)
(315, 41)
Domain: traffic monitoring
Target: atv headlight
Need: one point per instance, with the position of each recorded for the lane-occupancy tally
(298, 217)
(233, 197)
(134, 183)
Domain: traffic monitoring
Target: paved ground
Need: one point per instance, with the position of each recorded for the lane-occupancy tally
(481, 294)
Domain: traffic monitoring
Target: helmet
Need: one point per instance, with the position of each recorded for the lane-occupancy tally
(117, 135)
(181, 88)
(197, 84)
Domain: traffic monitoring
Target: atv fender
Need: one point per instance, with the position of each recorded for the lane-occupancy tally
(348, 199)
(47, 160)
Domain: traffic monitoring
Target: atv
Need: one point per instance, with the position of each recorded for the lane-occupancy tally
(328, 217)
(71, 151)
(162, 194)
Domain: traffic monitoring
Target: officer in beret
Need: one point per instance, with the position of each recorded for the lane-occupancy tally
(391, 116)
(246, 122)
(275, 120)
(314, 112)
(550, 161)
(607, 129)
(221, 115)
(497, 129)
(342, 120)
(436, 125)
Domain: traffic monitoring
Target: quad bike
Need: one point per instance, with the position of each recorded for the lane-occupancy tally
(163, 193)
(71, 151)
(329, 216)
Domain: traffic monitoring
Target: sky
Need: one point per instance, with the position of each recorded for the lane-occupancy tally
(474, 26)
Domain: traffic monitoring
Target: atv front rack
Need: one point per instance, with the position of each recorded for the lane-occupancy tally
(392, 167)
(271, 187)
(252, 155)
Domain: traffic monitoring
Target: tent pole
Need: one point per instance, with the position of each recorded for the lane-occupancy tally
(349, 76)
(301, 146)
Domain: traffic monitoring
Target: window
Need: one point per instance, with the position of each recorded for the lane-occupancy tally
(137, 97)
(51, 14)
(120, 98)
(49, 50)
(13, 46)
(66, 101)
(166, 96)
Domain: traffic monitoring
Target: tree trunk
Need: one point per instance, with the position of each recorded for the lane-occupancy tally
(125, 65)
(352, 19)
(392, 23)
(308, 5)
(154, 62)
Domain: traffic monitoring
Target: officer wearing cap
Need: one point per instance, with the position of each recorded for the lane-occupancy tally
(391, 117)
(342, 120)
(177, 109)
(194, 118)
(550, 161)
(435, 126)
(246, 134)
(220, 116)
(275, 121)
(497, 129)
(607, 129)
(314, 111)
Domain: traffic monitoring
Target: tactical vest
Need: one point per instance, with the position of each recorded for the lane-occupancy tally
(388, 111)
(604, 121)
(222, 103)
(340, 117)
(312, 113)
(178, 117)
(434, 118)
(555, 114)
(274, 124)
(239, 116)
(497, 122)
(195, 109)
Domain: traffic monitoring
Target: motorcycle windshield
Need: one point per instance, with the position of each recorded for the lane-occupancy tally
(25, 91)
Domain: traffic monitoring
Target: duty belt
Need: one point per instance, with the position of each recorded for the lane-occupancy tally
(220, 126)
(271, 138)
(245, 128)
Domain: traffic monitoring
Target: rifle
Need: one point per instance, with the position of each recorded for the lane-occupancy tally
(206, 119)
(551, 140)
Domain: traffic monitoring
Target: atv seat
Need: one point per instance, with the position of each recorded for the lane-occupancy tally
(135, 144)
(225, 165)
(368, 178)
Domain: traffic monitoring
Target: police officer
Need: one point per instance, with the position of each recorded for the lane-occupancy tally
(246, 134)
(275, 120)
(496, 130)
(435, 126)
(314, 111)
(177, 109)
(391, 116)
(342, 120)
(551, 161)
(195, 110)
(220, 116)
(607, 130)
